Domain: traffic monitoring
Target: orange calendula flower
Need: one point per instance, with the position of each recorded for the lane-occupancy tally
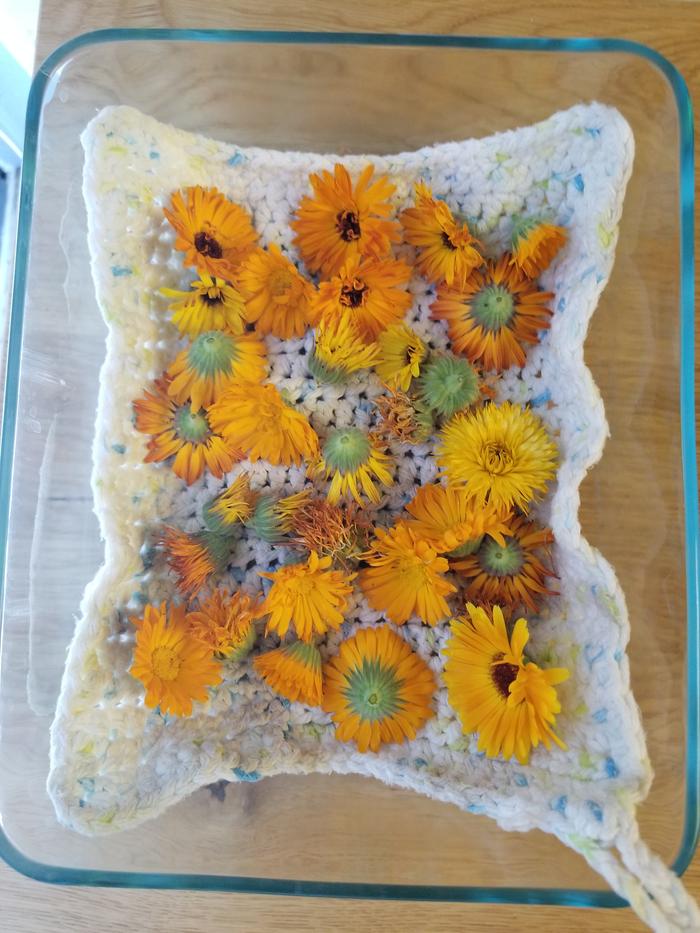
(226, 623)
(534, 244)
(257, 420)
(404, 418)
(215, 234)
(354, 463)
(336, 531)
(210, 304)
(494, 315)
(448, 518)
(195, 558)
(405, 577)
(377, 689)
(277, 294)
(369, 292)
(447, 252)
(213, 361)
(174, 667)
(178, 431)
(342, 221)
(510, 702)
(310, 596)
(294, 671)
(401, 352)
(501, 453)
(510, 571)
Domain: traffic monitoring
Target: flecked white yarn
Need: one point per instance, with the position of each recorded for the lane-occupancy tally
(115, 763)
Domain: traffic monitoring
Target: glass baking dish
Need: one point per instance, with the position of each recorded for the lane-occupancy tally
(348, 836)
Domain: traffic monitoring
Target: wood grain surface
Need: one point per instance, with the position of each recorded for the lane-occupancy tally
(672, 28)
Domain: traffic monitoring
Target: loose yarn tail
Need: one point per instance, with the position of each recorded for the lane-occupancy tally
(653, 890)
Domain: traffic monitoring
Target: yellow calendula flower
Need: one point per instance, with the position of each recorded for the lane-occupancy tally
(310, 596)
(231, 507)
(534, 244)
(226, 623)
(510, 702)
(195, 558)
(372, 293)
(294, 671)
(174, 667)
(339, 351)
(182, 433)
(511, 571)
(210, 304)
(494, 315)
(258, 421)
(354, 463)
(215, 234)
(449, 519)
(377, 689)
(501, 453)
(342, 221)
(401, 352)
(405, 577)
(447, 251)
(212, 362)
(278, 296)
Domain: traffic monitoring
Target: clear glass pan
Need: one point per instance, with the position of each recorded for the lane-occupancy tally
(348, 93)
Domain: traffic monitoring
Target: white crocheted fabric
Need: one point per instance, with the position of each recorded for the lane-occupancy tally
(114, 762)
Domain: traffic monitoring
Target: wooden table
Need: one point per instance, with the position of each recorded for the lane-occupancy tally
(671, 26)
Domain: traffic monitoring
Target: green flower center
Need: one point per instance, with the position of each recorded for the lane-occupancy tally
(503, 675)
(501, 561)
(449, 384)
(212, 353)
(191, 426)
(493, 307)
(346, 449)
(372, 691)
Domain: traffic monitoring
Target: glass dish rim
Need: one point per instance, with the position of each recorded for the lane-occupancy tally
(513, 895)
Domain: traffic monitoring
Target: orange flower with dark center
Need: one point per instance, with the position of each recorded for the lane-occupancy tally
(447, 251)
(370, 293)
(511, 571)
(215, 234)
(178, 431)
(494, 315)
(342, 221)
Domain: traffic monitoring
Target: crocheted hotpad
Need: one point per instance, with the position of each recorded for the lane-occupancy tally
(114, 762)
